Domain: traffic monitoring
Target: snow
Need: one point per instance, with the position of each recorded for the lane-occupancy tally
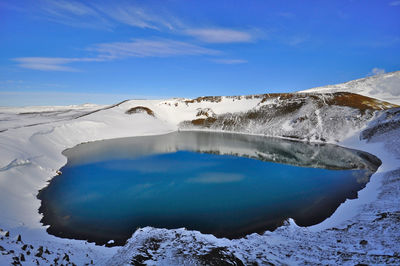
(31, 148)
(385, 87)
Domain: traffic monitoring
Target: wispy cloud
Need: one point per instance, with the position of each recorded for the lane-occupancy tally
(377, 71)
(117, 50)
(103, 15)
(69, 7)
(384, 41)
(140, 17)
(394, 3)
(219, 35)
(108, 16)
(150, 48)
(296, 40)
(73, 13)
(51, 63)
(229, 61)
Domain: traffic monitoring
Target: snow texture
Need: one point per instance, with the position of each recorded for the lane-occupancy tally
(385, 87)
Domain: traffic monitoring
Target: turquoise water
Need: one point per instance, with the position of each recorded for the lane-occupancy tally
(101, 197)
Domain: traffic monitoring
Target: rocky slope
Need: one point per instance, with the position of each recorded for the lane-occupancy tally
(306, 116)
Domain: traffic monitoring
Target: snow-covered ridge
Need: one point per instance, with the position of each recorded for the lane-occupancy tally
(33, 115)
(385, 87)
(307, 116)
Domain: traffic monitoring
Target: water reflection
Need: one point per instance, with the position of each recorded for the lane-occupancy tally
(277, 150)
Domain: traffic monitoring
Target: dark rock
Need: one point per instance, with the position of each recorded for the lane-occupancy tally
(140, 109)
(66, 257)
(363, 242)
(16, 261)
(139, 260)
(220, 256)
(40, 252)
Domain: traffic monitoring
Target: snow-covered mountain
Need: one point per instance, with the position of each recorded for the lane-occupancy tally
(385, 87)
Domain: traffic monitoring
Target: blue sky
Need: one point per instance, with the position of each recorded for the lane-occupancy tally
(66, 52)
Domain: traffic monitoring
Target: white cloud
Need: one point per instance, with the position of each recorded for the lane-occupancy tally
(106, 16)
(103, 15)
(230, 61)
(296, 40)
(214, 35)
(51, 63)
(136, 16)
(150, 48)
(117, 50)
(71, 7)
(377, 71)
(394, 3)
(73, 13)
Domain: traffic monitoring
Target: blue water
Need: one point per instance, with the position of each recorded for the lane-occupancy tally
(225, 195)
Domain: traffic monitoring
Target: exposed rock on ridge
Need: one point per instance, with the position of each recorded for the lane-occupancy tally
(313, 117)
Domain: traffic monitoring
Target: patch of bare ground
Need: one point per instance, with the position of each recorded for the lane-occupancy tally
(140, 109)
(208, 112)
(359, 102)
(204, 122)
(214, 99)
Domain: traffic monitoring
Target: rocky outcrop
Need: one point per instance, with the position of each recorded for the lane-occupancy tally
(140, 109)
(312, 116)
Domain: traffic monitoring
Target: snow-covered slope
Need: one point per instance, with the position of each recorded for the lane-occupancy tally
(385, 87)
(14, 117)
(32, 140)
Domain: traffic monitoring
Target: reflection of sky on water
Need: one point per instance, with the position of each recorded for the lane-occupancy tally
(216, 178)
(149, 164)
